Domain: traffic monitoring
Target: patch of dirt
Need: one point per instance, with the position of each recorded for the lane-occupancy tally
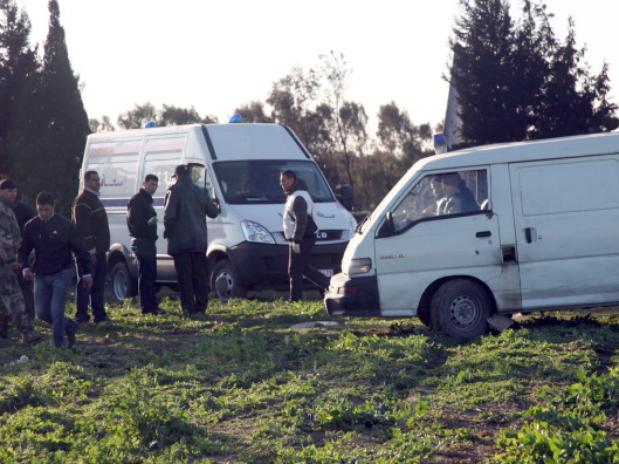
(482, 446)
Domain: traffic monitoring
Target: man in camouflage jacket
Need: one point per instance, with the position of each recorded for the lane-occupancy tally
(11, 298)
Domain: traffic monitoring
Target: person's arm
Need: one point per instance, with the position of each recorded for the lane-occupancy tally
(27, 245)
(171, 213)
(212, 206)
(137, 220)
(83, 224)
(299, 210)
(81, 255)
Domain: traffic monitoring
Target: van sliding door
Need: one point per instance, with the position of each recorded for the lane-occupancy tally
(566, 216)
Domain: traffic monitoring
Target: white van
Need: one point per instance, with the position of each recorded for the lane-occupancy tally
(240, 165)
(535, 227)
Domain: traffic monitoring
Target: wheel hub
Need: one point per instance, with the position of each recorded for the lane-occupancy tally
(121, 284)
(224, 285)
(464, 310)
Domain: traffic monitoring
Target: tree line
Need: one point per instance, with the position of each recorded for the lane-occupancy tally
(43, 124)
(514, 79)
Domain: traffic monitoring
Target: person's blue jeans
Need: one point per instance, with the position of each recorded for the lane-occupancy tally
(93, 295)
(50, 299)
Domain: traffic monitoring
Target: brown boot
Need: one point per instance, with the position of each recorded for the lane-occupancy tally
(31, 338)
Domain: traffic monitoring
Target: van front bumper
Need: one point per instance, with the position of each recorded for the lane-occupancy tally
(353, 296)
(265, 265)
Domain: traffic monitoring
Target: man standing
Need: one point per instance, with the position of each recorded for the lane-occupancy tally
(142, 224)
(23, 213)
(53, 238)
(90, 219)
(300, 231)
(11, 298)
(187, 206)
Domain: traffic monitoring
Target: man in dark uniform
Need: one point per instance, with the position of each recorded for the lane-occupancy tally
(23, 213)
(187, 206)
(142, 224)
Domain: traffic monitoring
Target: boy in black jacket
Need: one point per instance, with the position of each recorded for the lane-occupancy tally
(142, 224)
(54, 239)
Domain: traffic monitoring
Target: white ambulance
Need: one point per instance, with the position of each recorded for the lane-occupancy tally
(240, 165)
(496, 229)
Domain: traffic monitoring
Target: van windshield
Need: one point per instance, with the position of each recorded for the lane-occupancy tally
(251, 182)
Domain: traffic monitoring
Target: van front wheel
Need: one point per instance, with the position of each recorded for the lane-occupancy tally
(462, 307)
(122, 285)
(225, 281)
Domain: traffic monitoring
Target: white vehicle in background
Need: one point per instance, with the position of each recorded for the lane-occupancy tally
(543, 235)
(240, 165)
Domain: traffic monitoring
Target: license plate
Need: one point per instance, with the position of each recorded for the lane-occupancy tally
(326, 272)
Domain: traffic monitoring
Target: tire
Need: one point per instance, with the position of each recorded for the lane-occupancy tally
(461, 308)
(225, 281)
(122, 285)
(424, 316)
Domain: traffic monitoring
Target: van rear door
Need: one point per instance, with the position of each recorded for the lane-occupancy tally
(566, 215)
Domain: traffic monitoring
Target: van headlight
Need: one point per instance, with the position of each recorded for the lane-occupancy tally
(257, 233)
(358, 266)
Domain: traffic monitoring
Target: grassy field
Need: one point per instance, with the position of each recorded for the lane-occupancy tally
(241, 385)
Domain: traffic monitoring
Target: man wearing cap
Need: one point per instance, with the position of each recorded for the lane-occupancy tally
(90, 219)
(23, 213)
(186, 208)
(11, 298)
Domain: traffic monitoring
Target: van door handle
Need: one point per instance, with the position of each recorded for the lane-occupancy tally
(529, 234)
(483, 233)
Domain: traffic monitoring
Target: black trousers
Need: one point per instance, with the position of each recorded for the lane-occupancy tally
(192, 274)
(299, 267)
(147, 276)
(27, 289)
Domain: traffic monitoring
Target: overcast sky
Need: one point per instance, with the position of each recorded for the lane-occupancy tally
(217, 55)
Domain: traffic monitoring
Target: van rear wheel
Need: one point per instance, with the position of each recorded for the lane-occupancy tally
(462, 307)
(225, 281)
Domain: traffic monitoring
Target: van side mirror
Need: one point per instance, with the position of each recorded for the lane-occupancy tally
(344, 194)
(387, 229)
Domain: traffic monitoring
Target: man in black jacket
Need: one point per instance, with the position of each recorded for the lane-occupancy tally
(90, 219)
(53, 239)
(142, 224)
(187, 206)
(23, 213)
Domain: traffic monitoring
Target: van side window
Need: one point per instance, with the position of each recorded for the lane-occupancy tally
(117, 164)
(443, 194)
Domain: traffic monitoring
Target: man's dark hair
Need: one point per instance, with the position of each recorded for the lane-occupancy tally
(45, 198)
(89, 174)
(289, 174)
(151, 177)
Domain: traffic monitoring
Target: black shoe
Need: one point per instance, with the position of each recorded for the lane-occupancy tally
(71, 331)
(82, 319)
(103, 322)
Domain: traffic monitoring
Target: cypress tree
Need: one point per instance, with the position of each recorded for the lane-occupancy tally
(18, 67)
(56, 120)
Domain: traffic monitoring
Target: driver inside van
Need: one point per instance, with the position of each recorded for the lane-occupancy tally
(456, 197)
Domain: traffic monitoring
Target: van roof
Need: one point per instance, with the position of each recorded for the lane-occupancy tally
(228, 141)
(563, 147)
(260, 141)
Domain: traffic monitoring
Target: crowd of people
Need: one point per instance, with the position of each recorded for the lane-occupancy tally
(40, 251)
